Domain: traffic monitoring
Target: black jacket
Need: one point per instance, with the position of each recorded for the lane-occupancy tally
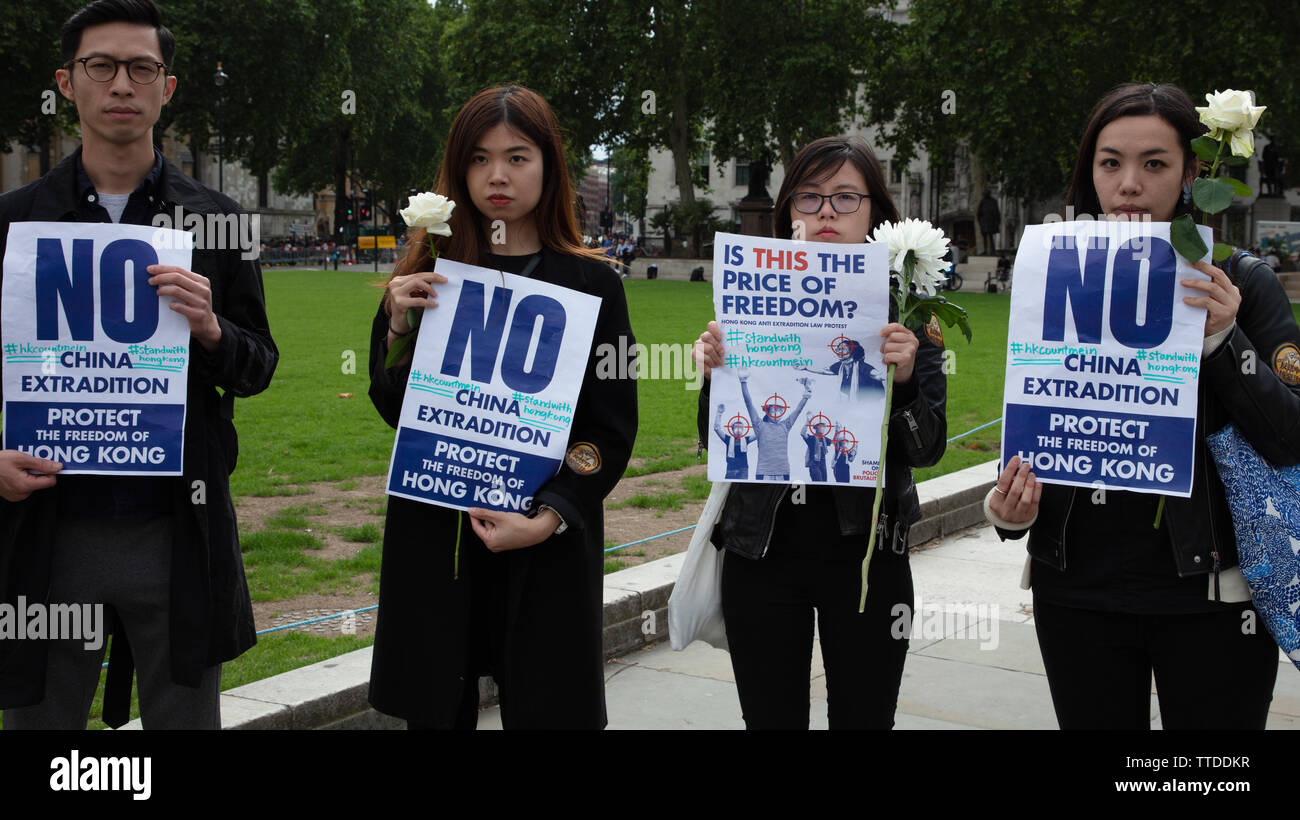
(1238, 384)
(547, 649)
(211, 616)
(918, 430)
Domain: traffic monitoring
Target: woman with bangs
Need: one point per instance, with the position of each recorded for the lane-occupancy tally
(792, 557)
(1122, 588)
(525, 604)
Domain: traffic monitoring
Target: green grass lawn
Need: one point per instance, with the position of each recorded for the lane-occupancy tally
(300, 431)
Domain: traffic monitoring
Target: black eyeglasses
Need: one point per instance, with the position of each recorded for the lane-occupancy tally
(104, 70)
(844, 202)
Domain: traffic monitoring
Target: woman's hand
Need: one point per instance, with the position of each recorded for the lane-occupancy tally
(501, 531)
(1015, 496)
(708, 349)
(1220, 301)
(414, 290)
(899, 348)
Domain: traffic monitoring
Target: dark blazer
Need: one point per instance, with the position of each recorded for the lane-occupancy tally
(211, 616)
(546, 648)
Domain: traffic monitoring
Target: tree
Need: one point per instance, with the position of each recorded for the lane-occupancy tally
(31, 109)
(1017, 79)
(629, 179)
(370, 114)
(565, 50)
(791, 80)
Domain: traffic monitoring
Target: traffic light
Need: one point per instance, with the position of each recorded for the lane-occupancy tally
(367, 204)
(607, 219)
(351, 209)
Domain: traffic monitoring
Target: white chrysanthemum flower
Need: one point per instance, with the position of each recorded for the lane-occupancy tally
(927, 242)
(429, 211)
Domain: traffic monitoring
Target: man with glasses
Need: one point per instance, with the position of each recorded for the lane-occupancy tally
(160, 553)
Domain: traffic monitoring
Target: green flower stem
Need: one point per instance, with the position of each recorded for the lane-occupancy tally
(1205, 220)
(455, 563)
(1160, 509)
(900, 298)
(880, 477)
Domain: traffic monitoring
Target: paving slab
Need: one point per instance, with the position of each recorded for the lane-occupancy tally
(1016, 647)
(975, 695)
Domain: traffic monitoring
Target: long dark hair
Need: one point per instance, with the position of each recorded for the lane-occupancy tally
(819, 160)
(557, 223)
(1168, 102)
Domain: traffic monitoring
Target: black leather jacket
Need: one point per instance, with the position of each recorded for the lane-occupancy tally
(918, 431)
(1238, 384)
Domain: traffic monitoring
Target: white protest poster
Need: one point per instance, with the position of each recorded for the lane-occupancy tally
(494, 383)
(1103, 357)
(801, 393)
(95, 361)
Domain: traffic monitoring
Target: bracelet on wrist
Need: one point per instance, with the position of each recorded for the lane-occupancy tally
(393, 330)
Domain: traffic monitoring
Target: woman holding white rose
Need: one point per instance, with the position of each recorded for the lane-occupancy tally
(518, 597)
(1121, 592)
(792, 557)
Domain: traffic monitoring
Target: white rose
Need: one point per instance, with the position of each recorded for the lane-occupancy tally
(927, 242)
(1232, 114)
(429, 211)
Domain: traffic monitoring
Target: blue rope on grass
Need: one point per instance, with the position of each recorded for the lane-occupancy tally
(691, 527)
(317, 620)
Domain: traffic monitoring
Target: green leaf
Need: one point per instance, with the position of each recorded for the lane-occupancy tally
(397, 351)
(1212, 195)
(1233, 159)
(1238, 187)
(950, 314)
(1221, 251)
(1186, 239)
(1207, 149)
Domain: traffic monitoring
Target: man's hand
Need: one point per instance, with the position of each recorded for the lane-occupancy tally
(192, 298)
(501, 531)
(16, 483)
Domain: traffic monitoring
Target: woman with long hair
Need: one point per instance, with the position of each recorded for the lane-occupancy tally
(525, 602)
(1117, 599)
(792, 555)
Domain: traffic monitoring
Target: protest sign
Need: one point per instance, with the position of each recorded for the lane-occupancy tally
(801, 392)
(95, 362)
(494, 382)
(1103, 357)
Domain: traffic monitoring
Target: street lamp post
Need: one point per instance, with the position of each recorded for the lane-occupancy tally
(219, 79)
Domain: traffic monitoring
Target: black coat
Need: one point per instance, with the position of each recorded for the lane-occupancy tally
(211, 616)
(544, 603)
(1240, 383)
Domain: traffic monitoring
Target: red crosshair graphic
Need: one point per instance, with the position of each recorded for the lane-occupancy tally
(844, 441)
(738, 426)
(819, 426)
(841, 346)
(774, 406)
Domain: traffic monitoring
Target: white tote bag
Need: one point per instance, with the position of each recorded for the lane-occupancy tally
(695, 606)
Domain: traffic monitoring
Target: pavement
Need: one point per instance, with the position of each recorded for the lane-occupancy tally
(978, 667)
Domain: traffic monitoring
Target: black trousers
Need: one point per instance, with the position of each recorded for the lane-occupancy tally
(1209, 672)
(769, 606)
